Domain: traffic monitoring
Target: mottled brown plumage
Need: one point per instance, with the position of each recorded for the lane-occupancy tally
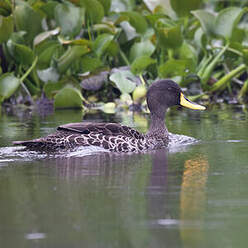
(116, 137)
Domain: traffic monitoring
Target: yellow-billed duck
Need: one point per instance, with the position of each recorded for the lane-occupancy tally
(161, 95)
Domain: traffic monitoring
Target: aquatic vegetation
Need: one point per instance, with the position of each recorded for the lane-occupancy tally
(79, 52)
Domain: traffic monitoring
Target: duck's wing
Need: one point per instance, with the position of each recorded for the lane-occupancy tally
(111, 129)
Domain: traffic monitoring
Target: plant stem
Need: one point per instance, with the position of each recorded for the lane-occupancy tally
(29, 69)
(124, 57)
(243, 91)
(142, 80)
(224, 80)
(207, 72)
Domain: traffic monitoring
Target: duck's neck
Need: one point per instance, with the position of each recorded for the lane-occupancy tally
(157, 126)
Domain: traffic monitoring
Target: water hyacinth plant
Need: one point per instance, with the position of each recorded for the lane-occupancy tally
(79, 51)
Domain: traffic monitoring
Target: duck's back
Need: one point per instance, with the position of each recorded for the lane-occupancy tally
(111, 136)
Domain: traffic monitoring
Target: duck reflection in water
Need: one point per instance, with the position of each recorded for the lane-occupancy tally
(140, 199)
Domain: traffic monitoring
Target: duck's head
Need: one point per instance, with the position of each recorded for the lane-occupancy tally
(163, 94)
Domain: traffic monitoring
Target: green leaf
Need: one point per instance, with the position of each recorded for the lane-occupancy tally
(90, 64)
(21, 53)
(52, 88)
(44, 35)
(102, 43)
(141, 63)
(6, 28)
(27, 19)
(45, 52)
(72, 53)
(8, 85)
(49, 74)
(174, 67)
(106, 5)
(183, 8)
(5, 8)
(94, 10)
(169, 36)
(48, 8)
(137, 21)
(227, 20)
(200, 39)
(206, 19)
(68, 98)
(143, 48)
(124, 80)
(69, 18)
(186, 51)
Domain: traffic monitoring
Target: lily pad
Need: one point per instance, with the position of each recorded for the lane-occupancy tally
(124, 80)
(49, 74)
(137, 21)
(141, 63)
(70, 18)
(143, 48)
(27, 19)
(73, 53)
(6, 28)
(206, 19)
(8, 85)
(174, 67)
(169, 35)
(227, 20)
(183, 8)
(94, 10)
(68, 98)
(43, 36)
(102, 43)
(21, 53)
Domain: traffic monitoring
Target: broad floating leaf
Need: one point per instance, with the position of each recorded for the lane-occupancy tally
(43, 36)
(5, 8)
(102, 43)
(94, 10)
(141, 63)
(174, 67)
(8, 85)
(124, 80)
(72, 53)
(227, 20)
(52, 88)
(49, 74)
(90, 64)
(223, 24)
(45, 52)
(206, 19)
(183, 8)
(6, 28)
(169, 35)
(69, 18)
(27, 19)
(68, 98)
(143, 48)
(21, 53)
(137, 21)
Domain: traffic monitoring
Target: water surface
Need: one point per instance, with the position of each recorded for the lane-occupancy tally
(191, 196)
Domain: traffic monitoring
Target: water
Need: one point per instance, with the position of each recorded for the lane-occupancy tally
(190, 196)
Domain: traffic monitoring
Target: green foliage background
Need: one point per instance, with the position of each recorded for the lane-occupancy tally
(78, 51)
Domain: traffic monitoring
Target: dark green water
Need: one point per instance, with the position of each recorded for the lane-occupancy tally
(193, 196)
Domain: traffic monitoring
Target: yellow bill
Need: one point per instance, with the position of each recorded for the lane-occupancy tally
(188, 104)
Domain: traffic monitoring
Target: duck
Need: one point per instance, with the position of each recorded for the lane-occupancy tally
(161, 95)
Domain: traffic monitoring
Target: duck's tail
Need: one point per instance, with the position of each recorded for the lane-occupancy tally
(28, 143)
